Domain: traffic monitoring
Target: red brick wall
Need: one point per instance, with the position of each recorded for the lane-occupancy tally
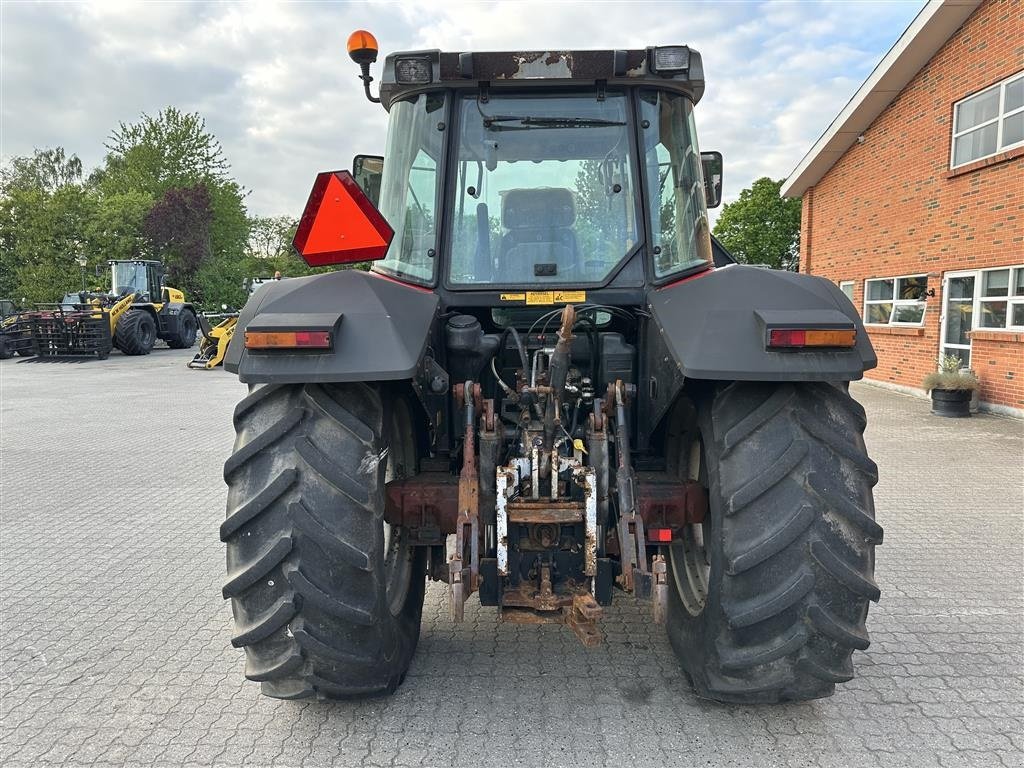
(998, 359)
(890, 206)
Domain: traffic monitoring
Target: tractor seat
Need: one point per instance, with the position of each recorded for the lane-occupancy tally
(539, 242)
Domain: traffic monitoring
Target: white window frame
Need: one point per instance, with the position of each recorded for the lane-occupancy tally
(896, 303)
(842, 287)
(1009, 298)
(998, 120)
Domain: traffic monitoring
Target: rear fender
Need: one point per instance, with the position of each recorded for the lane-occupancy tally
(380, 329)
(713, 326)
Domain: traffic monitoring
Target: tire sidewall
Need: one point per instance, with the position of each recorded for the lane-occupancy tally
(396, 418)
(147, 331)
(693, 637)
(188, 330)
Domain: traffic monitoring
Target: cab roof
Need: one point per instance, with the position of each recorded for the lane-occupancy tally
(410, 72)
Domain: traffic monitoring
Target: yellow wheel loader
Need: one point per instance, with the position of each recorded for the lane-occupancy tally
(141, 309)
(214, 343)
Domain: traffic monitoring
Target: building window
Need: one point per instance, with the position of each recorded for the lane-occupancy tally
(846, 286)
(989, 122)
(895, 300)
(1001, 301)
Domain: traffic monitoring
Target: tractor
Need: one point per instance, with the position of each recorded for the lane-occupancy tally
(140, 308)
(552, 389)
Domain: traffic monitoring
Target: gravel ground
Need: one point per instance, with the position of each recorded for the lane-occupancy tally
(114, 640)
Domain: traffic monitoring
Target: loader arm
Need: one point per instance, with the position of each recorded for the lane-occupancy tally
(119, 308)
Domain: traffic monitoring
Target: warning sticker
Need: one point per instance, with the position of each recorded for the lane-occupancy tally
(513, 297)
(570, 297)
(542, 298)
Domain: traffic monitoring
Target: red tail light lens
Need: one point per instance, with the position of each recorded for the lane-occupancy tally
(660, 535)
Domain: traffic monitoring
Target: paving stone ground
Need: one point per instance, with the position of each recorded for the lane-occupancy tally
(114, 640)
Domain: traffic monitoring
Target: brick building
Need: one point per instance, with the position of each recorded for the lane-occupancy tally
(913, 199)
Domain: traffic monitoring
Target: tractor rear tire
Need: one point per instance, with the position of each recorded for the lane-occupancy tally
(135, 333)
(787, 548)
(327, 598)
(188, 327)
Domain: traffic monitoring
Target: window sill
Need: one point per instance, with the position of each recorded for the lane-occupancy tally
(894, 330)
(985, 162)
(996, 334)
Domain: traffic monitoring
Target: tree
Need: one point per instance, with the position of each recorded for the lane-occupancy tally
(199, 214)
(47, 170)
(762, 227)
(178, 230)
(173, 149)
(44, 212)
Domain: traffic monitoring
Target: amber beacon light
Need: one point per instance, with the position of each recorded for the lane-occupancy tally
(362, 49)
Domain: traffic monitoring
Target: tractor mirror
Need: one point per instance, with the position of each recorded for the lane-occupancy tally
(712, 165)
(367, 171)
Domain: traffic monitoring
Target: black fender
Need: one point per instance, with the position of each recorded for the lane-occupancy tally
(379, 329)
(714, 326)
(169, 317)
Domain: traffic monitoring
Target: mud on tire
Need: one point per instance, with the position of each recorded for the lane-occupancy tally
(311, 574)
(789, 539)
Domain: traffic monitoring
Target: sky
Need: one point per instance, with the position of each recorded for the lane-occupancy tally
(276, 87)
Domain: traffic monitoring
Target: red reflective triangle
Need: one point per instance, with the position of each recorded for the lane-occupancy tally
(340, 224)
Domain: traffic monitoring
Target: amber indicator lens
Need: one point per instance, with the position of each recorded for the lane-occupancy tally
(287, 339)
(807, 337)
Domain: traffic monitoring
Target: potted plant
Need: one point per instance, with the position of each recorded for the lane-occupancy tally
(951, 388)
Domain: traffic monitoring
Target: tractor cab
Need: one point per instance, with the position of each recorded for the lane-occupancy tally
(138, 277)
(558, 169)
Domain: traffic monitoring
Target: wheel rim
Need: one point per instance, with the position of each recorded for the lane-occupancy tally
(691, 568)
(147, 334)
(397, 552)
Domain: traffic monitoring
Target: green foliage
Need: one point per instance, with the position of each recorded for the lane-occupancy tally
(199, 211)
(47, 170)
(164, 192)
(42, 236)
(173, 149)
(762, 227)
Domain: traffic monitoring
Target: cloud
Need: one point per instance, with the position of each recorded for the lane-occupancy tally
(277, 88)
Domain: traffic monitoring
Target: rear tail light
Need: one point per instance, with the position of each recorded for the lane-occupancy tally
(287, 339)
(790, 338)
(660, 535)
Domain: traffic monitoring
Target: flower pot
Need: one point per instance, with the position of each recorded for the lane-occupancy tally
(955, 403)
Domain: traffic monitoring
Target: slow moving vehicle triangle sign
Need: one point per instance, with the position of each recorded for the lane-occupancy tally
(340, 224)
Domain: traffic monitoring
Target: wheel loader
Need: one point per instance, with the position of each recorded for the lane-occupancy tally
(140, 309)
(552, 390)
(213, 344)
